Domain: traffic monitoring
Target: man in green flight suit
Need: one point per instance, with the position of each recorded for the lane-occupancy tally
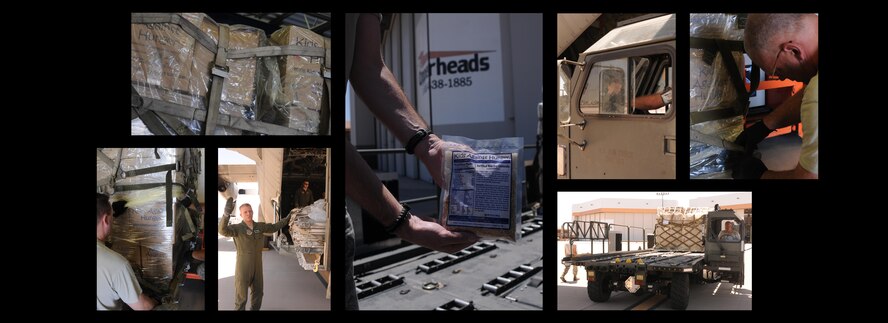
(305, 196)
(249, 239)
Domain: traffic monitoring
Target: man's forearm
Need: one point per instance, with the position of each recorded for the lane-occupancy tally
(279, 225)
(223, 226)
(786, 114)
(649, 102)
(145, 303)
(377, 87)
(365, 188)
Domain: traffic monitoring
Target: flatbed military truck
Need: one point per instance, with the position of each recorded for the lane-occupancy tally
(690, 247)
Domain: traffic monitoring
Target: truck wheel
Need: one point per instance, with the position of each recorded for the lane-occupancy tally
(599, 291)
(678, 292)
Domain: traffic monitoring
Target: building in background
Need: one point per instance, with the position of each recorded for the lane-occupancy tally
(471, 75)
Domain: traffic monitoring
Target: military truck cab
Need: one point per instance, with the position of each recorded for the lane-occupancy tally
(615, 107)
(724, 252)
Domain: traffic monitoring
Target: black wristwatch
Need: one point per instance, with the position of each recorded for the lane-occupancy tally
(402, 217)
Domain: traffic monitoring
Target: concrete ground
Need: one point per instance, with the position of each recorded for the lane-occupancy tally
(192, 296)
(287, 286)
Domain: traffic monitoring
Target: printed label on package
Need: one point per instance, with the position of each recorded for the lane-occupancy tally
(480, 190)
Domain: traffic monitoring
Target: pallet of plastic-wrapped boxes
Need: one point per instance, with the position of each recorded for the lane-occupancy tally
(144, 233)
(173, 62)
(307, 227)
(193, 76)
(680, 228)
(713, 97)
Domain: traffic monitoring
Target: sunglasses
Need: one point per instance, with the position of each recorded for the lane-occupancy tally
(774, 69)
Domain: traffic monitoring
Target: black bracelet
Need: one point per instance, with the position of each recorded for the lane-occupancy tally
(402, 217)
(414, 141)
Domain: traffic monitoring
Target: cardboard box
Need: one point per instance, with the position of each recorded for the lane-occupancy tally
(302, 82)
(142, 237)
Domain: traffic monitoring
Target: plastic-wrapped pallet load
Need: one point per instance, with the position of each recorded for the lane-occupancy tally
(239, 92)
(711, 88)
(308, 227)
(680, 228)
(141, 233)
(171, 65)
(481, 186)
(301, 98)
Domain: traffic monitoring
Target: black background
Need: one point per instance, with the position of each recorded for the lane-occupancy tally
(803, 232)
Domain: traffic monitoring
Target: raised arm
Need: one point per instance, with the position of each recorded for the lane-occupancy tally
(224, 229)
(277, 226)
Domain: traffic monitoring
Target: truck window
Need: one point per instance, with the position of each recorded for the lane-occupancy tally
(722, 233)
(652, 79)
(563, 96)
(605, 90)
(647, 78)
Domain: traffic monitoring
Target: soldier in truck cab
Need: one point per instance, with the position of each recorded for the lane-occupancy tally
(615, 97)
(728, 234)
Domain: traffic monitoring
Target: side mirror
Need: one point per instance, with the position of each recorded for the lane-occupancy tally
(564, 87)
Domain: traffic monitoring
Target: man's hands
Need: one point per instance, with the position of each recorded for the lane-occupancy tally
(745, 165)
(667, 96)
(752, 136)
(144, 303)
(229, 206)
(431, 152)
(434, 236)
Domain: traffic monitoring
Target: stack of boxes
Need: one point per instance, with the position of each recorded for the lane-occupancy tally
(169, 64)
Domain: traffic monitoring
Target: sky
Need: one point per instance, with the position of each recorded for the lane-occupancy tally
(566, 200)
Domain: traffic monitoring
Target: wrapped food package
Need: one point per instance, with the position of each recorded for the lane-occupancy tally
(480, 192)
